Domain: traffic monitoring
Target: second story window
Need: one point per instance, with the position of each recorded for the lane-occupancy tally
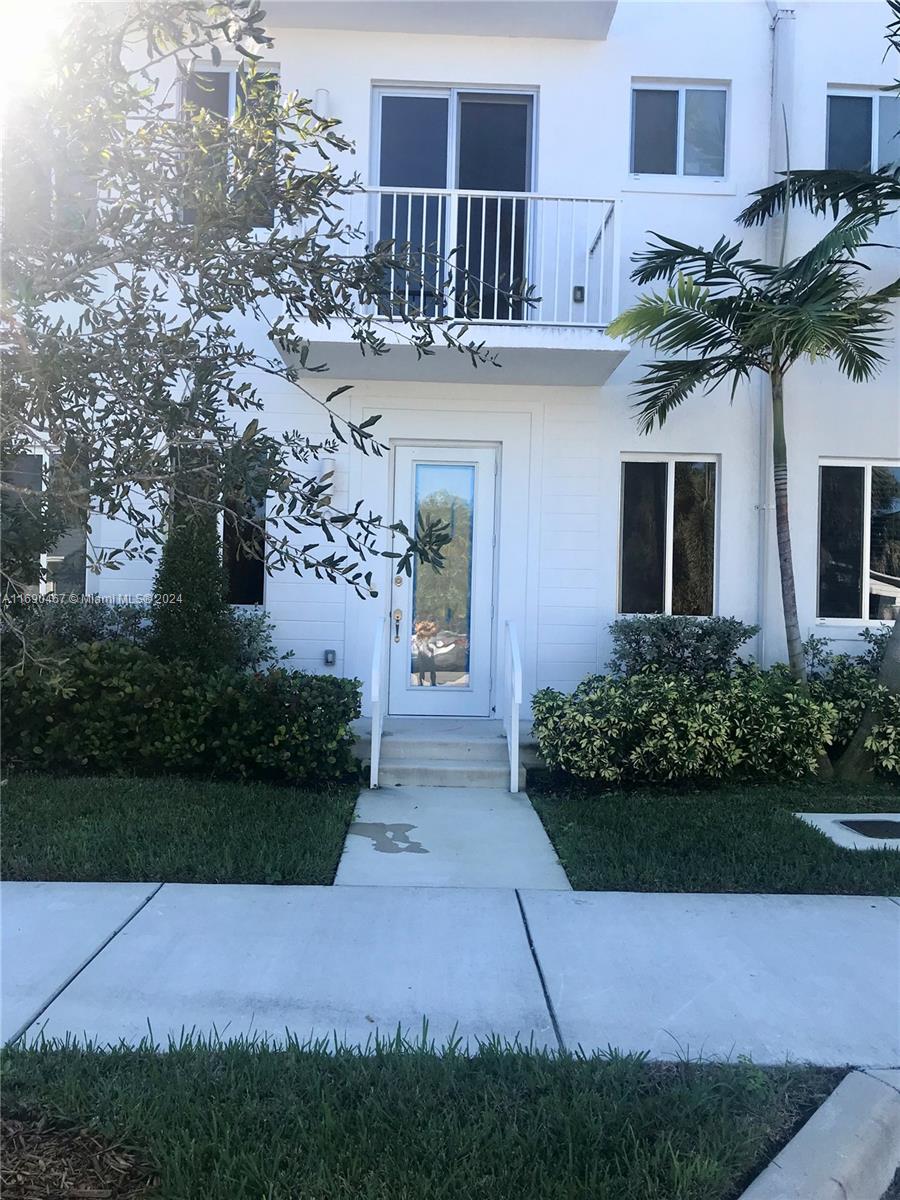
(432, 140)
(678, 129)
(863, 131)
(222, 93)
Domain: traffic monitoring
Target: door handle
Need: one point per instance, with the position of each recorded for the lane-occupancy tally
(398, 615)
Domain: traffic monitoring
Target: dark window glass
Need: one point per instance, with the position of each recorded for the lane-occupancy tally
(260, 91)
(208, 90)
(494, 155)
(884, 544)
(244, 549)
(643, 537)
(840, 541)
(693, 545)
(654, 132)
(22, 521)
(413, 141)
(849, 133)
(889, 131)
(704, 132)
(494, 143)
(414, 132)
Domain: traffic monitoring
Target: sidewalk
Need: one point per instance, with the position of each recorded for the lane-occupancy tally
(808, 977)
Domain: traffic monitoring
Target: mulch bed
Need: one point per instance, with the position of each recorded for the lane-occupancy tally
(41, 1161)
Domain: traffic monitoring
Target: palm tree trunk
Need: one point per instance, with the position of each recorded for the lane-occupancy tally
(856, 761)
(796, 659)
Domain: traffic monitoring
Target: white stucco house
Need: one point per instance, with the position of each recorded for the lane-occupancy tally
(545, 138)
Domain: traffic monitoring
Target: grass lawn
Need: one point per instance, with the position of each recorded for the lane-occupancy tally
(241, 1122)
(729, 839)
(171, 830)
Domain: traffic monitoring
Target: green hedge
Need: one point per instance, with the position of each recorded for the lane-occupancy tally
(113, 707)
(655, 727)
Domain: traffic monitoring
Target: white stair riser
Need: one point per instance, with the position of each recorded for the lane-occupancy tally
(413, 773)
(491, 750)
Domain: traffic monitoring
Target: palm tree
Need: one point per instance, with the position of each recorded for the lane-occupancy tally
(723, 317)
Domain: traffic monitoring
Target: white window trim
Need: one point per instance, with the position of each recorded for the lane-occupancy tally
(697, 183)
(451, 93)
(669, 460)
(866, 464)
(872, 94)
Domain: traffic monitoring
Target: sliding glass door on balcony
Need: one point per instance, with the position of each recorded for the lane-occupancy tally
(454, 169)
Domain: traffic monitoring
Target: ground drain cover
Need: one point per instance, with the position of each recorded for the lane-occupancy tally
(875, 827)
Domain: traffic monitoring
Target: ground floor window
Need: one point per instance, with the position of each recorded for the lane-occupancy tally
(668, 536)
(244, 548)
(859, 540)
(62, 570)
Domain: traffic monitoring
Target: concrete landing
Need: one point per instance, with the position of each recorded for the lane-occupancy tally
(449, 837)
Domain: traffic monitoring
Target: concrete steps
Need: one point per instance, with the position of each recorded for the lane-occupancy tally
(457, 753)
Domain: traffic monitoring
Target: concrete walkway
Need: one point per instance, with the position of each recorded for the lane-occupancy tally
(449, 837)
(808, 977)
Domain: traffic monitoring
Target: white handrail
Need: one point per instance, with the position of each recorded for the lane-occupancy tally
(379, 696)
(512, 676)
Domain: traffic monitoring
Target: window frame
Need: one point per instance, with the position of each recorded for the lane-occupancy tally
(453, 94)
(866, 464)
(872, 94)
(668, 573)
(680, 87)
(229, 67)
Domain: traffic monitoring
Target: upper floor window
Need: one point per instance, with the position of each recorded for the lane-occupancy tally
(863, 131)
(859, 540)
(668, 536)
(222, 92)
(678, 129)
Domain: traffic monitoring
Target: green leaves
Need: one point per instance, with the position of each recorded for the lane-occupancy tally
(723, 316)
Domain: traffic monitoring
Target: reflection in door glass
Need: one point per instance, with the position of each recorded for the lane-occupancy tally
(441, 609)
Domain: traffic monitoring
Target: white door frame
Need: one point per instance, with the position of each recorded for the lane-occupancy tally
(417, 414)
(408, 694)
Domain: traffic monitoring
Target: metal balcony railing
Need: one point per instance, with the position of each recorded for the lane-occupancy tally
(502, 257)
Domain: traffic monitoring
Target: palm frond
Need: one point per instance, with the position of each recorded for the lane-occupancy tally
(717, 269)
(684, 316)
(667, 383)
(839, 244)
(874, 192)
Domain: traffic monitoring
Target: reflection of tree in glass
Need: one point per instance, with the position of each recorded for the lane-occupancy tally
(884, 556)
(693, 547)
(443, 596)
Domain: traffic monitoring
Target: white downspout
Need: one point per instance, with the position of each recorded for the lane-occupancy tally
(780, 113)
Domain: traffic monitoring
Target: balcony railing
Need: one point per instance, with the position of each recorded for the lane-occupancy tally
(503, 257)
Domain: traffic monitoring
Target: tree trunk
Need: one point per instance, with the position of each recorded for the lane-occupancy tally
(856, 761)
(796, 659)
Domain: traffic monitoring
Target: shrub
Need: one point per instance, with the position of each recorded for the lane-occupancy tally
(695, 646)
(58, 624)
(255, 640)
(850, 684)
(657, 727)
(116, 708)
(192, 620)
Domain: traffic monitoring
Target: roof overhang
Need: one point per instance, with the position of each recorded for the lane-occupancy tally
(582, 19)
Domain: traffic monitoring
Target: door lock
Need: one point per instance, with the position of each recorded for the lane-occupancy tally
(398, 616)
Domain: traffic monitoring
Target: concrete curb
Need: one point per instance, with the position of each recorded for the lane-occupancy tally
(848, 1150)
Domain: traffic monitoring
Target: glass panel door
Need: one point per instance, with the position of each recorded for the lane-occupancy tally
(441, 620)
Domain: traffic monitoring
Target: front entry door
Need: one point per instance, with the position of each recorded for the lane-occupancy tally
(442, 621)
